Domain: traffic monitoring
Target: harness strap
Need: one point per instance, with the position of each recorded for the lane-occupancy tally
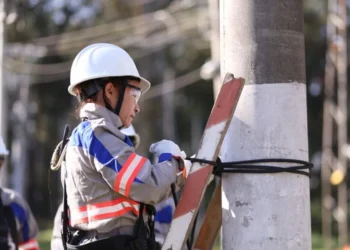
(65, 228)
(116, 242)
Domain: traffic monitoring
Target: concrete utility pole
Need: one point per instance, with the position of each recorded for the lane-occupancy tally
(327, 133)
(3, 119)
(168, 105)
(342, 121)
(263, 42)
(334, 159)
(19, 150)
(2, 86)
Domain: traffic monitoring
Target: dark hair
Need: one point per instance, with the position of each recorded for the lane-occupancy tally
(101, 81)
(91, 99)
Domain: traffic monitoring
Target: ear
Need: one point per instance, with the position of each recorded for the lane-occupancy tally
(109, 89)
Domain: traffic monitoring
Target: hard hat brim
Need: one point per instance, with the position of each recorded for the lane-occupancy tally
(144, 85)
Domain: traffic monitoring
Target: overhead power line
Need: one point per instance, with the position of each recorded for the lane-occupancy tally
(135, 33)
(179, 83)
(154, 43)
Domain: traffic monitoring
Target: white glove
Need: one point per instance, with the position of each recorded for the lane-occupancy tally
(165, 146)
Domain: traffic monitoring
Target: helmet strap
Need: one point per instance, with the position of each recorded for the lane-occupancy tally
(121, 89)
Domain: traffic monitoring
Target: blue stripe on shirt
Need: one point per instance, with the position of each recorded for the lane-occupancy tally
(21, 216)
(128, 141)
(165, 215)
(83, 136)
(165, 157)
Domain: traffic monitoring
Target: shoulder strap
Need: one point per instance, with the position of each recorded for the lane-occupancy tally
(141, 230)
(65, 230)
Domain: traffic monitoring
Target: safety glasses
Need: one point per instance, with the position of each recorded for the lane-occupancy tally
(135, 92)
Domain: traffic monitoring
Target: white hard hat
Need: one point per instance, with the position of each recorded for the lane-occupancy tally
(103, 60)
(3, 150)
(131, 133)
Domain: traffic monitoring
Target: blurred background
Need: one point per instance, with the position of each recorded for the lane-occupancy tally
(173, 43)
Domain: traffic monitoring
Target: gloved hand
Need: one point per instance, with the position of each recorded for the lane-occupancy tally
(165, 146)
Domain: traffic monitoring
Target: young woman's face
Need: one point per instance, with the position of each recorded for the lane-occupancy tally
(130, 106)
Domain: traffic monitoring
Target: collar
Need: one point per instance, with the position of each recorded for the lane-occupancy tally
(93, 111)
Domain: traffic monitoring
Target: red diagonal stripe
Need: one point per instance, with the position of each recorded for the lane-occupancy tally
(122, 172)
(133, 175)
(192, 194)
(107, 215)
(226, 102)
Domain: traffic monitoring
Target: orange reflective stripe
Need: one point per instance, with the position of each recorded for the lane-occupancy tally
(133, 175)
(128, 174)
(122, 172)
(104, 204)
(103, 210)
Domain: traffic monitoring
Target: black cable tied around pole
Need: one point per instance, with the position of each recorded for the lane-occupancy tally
(251, 167)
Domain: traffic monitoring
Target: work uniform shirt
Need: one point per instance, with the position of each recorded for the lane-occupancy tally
(27, 228)
(106, 180)
(162, 220)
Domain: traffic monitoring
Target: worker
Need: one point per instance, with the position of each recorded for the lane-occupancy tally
(18, 227)
(111, 190)
(56, 239)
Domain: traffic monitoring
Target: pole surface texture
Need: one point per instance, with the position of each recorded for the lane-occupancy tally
(263, 42)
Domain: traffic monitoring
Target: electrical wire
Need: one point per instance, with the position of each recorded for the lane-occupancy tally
(105, 29)
(179, 83)
(156, 42)
(70, 42)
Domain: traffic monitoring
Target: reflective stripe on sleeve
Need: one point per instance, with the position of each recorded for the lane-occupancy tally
(128, 174)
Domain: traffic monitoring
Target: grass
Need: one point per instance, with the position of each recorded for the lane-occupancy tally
(45, 239)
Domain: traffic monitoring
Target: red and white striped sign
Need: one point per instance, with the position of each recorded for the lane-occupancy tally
(211, 224)
(209, 148)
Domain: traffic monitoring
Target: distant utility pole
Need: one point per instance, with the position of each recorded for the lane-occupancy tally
(3, 118)
(334, 159)
(263, 42)
(168, 96)
(213, 7)
(19, 149)
(211, 69)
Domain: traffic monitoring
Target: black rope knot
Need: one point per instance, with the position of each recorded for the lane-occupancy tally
(252, 167)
